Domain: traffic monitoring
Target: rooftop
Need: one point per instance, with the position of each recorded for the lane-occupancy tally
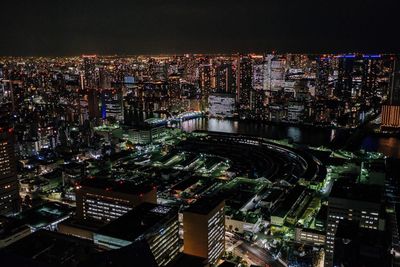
(354, 191)
(46, 248)
(45, 214)
(141, 220)
(10, 226)
(122, 186)
(204, 205)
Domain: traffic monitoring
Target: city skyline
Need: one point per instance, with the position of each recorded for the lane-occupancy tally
(214, 133)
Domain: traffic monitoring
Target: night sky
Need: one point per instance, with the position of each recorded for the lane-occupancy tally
(73, 27)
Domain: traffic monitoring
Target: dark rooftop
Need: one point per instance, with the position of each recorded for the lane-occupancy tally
(355, 191)
(140, 220)
(185, 260)
(136, 254)
(46, 248)
(122, 186)
(10, 226)
(45, 214)
(204, 205)
(360, 247)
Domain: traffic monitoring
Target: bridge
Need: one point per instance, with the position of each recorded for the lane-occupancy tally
(188, 115)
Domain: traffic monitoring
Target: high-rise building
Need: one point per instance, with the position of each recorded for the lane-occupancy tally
(358, 75)
(205, 79)
(357, 246)
(155, 224)
(105, 200)
(9, 192)
(89, 71)
(391, 111)
(244, 84)
(226, 78)
(221, 105)
(356, 202)
(394, 94)
(204, 229)
(260, 76)
(112, 104)
(324, 71)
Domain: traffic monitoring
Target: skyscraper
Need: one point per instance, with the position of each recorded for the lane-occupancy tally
(391, 111)
(154, 224)
(9, 192)
(204, 229)
(112, 104)
(226, 80)
(244, 85)
(104, 200)
(355, 202)
(205, 79)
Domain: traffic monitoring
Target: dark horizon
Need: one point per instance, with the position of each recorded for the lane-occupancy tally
(71, 28)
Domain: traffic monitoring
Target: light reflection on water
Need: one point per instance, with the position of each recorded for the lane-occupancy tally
(310, 136)
(390, 146)
(306, 135)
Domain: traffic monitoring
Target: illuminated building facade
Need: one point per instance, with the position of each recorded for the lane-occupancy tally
(204, 229)
(244, 86)
(112, 105)
(9, 195)
(205, 79)
(391, 111)
(103, 200)
(226, 79)
(156, 224)
(221, 105)
(354, 202)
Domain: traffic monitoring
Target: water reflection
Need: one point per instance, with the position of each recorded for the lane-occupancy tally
(389, 146)
(315, 137)
(305, 135)
(215, 125)
(294, 133)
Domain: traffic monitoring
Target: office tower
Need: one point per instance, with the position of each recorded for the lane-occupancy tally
(244, 85)
(356, 202)
(89, 86)
(226, 78)
(257, 98)
(111, 107)
(391, 111)
(349, 76)
(358, 75)
(155, 224)
(324, 71)
(275, 76)
(9, 191)
(104, 78)
(394, 93)
(89, 71)
(260, 76)
(205, 79)
(357, 246)
(204, 229)
(93, 104)
(221, 105)
(259, 88)
(104, 200)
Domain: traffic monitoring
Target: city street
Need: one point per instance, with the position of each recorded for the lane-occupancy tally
(250, 252)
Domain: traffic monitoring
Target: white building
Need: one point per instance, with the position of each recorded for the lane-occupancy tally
(295, 112)
(221, 105)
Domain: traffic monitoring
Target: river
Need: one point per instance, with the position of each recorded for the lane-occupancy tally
(335, 138)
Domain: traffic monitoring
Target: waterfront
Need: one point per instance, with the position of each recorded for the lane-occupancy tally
(313, 136)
